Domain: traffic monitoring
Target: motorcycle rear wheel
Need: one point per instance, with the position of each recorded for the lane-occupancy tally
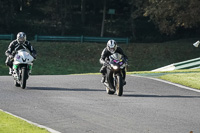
(119, 85)
(23, 78)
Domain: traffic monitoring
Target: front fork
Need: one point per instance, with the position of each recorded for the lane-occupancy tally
(17, 72)
(119, 73)
(112, 77)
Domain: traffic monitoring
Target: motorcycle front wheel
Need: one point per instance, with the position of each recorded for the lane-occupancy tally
(119, 85)
(23, 77)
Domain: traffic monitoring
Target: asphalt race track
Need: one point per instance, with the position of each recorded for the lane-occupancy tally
(80, 104)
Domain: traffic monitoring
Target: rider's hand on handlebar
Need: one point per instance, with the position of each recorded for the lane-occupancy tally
(105, 64)
(34, 55)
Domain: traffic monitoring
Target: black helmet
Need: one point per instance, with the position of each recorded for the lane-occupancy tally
(21, 37)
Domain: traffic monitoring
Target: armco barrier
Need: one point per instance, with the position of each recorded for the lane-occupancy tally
(105, 39)
(6, 37)
(189, 64)
(79, 39)
(57, 38)
(165, 68)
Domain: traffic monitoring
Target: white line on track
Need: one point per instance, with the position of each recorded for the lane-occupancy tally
(178, 85)
(41, 126)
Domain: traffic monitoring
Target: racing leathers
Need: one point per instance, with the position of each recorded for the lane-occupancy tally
(105, 59)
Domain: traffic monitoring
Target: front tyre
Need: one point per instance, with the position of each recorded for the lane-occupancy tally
(119, 85)
(23, 77)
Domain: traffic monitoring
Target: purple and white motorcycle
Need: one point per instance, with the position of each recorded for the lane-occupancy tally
(114, 77)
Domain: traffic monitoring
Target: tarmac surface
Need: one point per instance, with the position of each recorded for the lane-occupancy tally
(80, 104)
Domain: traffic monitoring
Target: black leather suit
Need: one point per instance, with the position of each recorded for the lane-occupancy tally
(105, 57)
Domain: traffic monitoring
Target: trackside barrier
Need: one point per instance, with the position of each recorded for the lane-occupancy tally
(105, 39)
(79, 39)
(165, 68)
(6, 37)
(57, 38)
(189, 64)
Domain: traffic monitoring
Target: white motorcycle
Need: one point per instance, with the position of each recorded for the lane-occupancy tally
(22, 66)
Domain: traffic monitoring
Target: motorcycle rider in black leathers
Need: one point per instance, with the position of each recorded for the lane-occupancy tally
(15, 45)
(110, 49)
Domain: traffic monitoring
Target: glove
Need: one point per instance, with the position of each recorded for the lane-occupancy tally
(34, 55)
(126, 60)
(105, 64)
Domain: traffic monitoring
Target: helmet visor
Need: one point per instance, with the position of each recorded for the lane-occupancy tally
(21, 40)
(112, 50)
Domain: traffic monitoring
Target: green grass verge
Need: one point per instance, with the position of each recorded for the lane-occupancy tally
(166, 72)
(11, 124)
(187, 77)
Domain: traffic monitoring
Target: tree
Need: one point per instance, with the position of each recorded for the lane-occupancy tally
(103, 19)
(83, 11)
(136, 11)
(60, 14)
(170, 15)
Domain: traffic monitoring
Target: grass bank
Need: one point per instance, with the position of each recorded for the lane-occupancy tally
(11, 124)
(187, 77)
(190, 79)
(75, 58)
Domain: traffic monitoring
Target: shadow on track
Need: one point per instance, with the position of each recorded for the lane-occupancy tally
(61, 89)
(159, 96)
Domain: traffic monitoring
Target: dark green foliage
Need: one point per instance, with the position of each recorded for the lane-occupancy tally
(140, 20)
(171, 15)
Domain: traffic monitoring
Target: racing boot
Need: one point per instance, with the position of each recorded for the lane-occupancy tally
(124, 82)
(103, 78)
(10, 71)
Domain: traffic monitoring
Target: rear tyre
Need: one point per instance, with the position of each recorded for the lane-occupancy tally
(23, 78)
(119, 85)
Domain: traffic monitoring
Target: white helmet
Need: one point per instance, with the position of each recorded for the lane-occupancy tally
(112, 46)
(21, 37)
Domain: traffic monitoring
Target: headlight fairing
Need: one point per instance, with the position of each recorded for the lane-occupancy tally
(114, 67)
